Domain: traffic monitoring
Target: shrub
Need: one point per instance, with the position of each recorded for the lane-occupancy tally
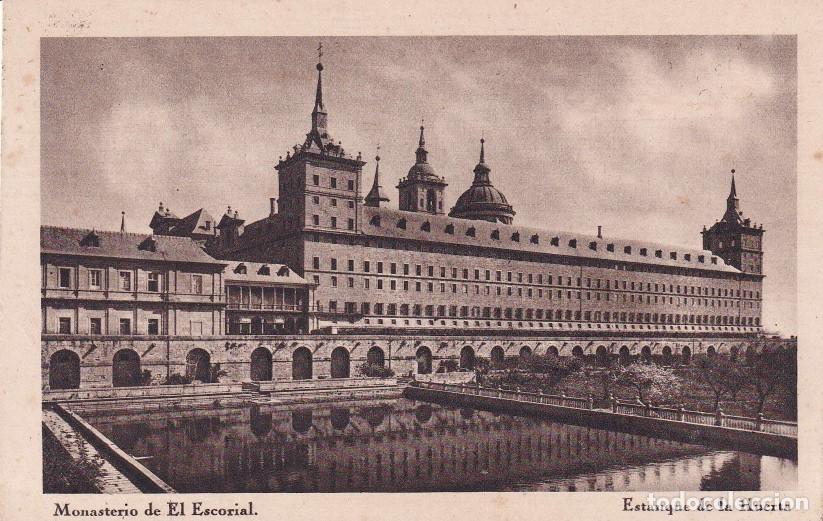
(375, 370)
(447, 366)
(648, 381)
(145, 377)
(176, 379)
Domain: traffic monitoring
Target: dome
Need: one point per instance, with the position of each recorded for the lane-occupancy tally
(482, 200)
(421, 170)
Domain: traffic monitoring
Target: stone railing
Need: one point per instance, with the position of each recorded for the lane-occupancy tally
(454, 377)
(318, 384)
(719, 419)
(145, 391)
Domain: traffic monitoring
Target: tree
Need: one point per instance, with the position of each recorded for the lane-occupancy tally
(648, 381)
(716, 372)
(771, 368)
(554, 367)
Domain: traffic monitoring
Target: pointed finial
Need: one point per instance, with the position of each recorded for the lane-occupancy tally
(122, 222)
(482, 150)
(320, 56)
(377, 157)
(733, 192)
(422, 141)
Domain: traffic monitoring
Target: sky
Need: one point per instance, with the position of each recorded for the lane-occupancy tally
(637, 134)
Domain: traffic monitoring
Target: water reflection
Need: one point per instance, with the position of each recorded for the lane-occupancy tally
(412, 446)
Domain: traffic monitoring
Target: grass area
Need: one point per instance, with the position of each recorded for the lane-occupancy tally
(63, 475)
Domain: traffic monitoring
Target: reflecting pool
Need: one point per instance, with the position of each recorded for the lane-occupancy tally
(407, 446)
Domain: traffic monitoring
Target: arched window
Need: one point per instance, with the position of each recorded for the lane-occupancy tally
(64, 370)
(375, 356)
(497, 356)
(260, 365)
(340, 365)
(646, 354)
(467, 358)
(125, 370)
(602, 356)
(424, 360)
(686, 355)
(301, 364)
(625, 357)
(198, 365)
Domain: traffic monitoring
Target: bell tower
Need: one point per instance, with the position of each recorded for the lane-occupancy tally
(422, 190)
(736, 239)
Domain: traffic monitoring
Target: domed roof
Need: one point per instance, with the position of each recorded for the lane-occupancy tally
(482, 200)
(421, 170)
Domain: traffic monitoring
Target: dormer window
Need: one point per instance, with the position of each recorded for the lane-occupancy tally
(573, 243)
(401, 224)
(658, 254)
(701, 258)
(627, 250)
(283, 271)
(92, 240)
(426, 226)
(149, 244)
(207, 225)
(714, 260)
(535, 239)
(450, 229)
(644, 251)
(241, 269)
(496, 234)
(375, 220)
(673, 255)
(687, 257)
(593, 245)
(264, 270)
(471, 232)
(516, 236)
(555, 241)
(610, 247)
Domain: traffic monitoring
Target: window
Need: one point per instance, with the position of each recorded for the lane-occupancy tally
(351, 204)
(333, 201)
(379, 267)
(333, 263)
(350, 265)
(334, 222)
(154, 282)
(334, 282)
(64, 277)
(333, 182)
(64, 326)
(315, 179)
(366, 266)
(351, 282)
(316, 263)
(315, 220)
(95, 277)
(315, 200)
(125, 326)
(197, 284)
(350, 224)
(350, 184)
(153, 327)
(95, 326)
(125, 281)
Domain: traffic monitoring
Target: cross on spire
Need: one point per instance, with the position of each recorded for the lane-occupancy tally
(320, 51)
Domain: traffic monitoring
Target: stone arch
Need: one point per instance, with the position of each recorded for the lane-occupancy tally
(711, 351)
(577, 352)
(525, 351)
(646, 354)
(497, 357)
(198, 365)
(340, 363)
(751, 354)
(667, 355)
(424, 360)
(467, 358)
(686, 355)
(624, 356)
(423, 413)
(64, 370)
(125, 368)
(260, 365)
(552, 351)
(602, 356)
(376, 356)
(733, 352)
(339, 418)
(301, 420)
(301, 364)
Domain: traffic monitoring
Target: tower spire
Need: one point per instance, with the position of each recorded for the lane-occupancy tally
(482, 150)
(319, 115)
(122, 222)
(733, 192)
(422, 153)
(375, 195)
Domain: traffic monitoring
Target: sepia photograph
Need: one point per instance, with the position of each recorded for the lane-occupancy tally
(418, 264)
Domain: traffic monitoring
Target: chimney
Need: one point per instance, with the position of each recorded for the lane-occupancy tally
(273, 205)
(599, 231)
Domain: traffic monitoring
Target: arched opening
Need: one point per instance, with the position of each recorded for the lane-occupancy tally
(301, 364)
(552, 351)
(525, 352)
(431, 201)
(260, 422)
(339, 418)
(646, 354)
(374, 415)
(301, 420)
(375, 356)
(710, 352)
(340, 364)
(125, 368)
(577, 352)
(667, 355)
(733, 354)
(424, 360)
(602, 356)
(198, 365)
(686, 355)
(423, 413)
(497, 357)
(260, 365)
(625, 357)
(467, 358)
(64, 370)
(466, 413)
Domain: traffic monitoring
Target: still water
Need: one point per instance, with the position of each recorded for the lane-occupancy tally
(407, 446)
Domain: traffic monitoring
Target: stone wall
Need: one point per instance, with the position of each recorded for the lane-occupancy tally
(167, 355)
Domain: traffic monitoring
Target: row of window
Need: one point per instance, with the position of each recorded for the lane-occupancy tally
(539, 279)
(125, 281)
(315, 220)
(430, 310)
(316, 200)
(96, 326)
(315, 179)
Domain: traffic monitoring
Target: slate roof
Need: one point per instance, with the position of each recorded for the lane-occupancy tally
(278, 273)
(121, 245)
(520, 238)
(195, 223)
